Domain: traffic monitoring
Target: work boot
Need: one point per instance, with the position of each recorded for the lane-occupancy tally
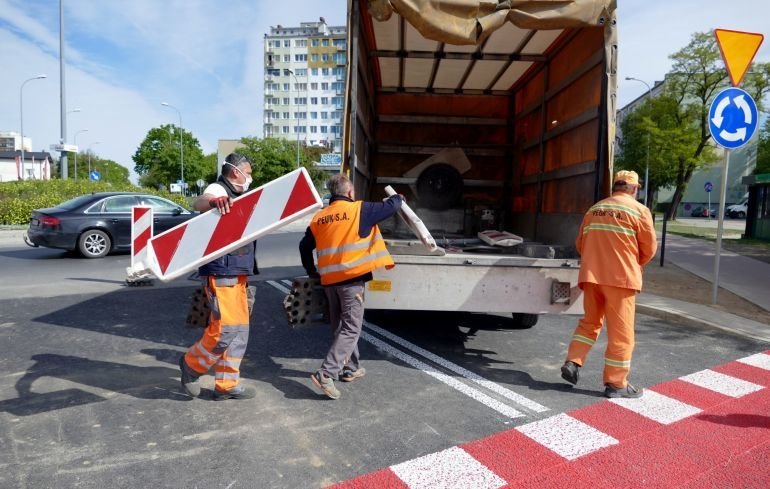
(570, 372)
(189, 381)
(239, 392)
(326, 384)
(627, 392)
(349, 375)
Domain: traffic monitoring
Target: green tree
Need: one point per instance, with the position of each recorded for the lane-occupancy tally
(157, 160)
(274, 157)
(669, 141)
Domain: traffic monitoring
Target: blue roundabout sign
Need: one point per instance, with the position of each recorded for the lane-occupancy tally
(733, 118)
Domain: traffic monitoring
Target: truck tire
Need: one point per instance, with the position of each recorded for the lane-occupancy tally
(94, 243)
(741, 215)
(439, 186)
(522, 320)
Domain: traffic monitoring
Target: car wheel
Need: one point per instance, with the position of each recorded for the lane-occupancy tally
(94, 244)
(741, 214)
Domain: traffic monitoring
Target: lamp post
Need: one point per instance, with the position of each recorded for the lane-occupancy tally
(21, 116)
(296, 84)
(76, 152)
(181, 146)
(647, 164)
(89, 157)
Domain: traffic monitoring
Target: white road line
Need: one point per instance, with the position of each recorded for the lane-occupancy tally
(721, 383)
(494, 387)
(450, 381)
(278, 286)
(453, 468)
(288, 283)
(658, 407)
(760, 360)
(567, 436)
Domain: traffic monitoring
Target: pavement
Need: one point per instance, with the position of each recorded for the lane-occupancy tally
(745, 277)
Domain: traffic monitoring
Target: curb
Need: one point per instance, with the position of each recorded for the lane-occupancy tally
(685, 319)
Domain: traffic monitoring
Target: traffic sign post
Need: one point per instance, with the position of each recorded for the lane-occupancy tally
(733, 114)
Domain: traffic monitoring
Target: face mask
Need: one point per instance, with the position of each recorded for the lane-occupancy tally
(244, 186)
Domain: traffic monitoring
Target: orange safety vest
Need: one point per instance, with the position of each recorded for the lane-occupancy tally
(342, 253)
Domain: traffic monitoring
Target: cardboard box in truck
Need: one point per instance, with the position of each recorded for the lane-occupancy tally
(485, 116)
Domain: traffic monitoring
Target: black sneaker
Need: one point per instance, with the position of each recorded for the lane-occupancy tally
(239, 392)
(349, 375)
(627, 392)
(189, 382)
(570, 372)
(326, 384)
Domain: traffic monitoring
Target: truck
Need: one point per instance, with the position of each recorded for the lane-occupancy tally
(486, 116)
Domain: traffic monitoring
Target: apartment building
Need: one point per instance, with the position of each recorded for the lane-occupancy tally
(305, 83)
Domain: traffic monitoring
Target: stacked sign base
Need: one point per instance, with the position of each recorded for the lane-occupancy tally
(306, 303)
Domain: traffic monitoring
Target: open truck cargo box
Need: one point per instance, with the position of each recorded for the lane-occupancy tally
(484, 114)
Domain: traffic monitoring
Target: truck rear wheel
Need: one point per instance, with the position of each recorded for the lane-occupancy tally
(523, 320)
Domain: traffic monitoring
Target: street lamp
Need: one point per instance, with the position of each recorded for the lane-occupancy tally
(296, 84)
(181, 147)
(89, 157)
(21, 116)
(647, 165)
(76, 152)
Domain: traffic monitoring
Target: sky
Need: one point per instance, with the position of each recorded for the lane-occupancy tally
(123, 58)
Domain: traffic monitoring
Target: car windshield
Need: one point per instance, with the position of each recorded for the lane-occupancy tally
(76, 202)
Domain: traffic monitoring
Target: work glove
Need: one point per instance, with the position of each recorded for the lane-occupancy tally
(313, 275)
(222, 204)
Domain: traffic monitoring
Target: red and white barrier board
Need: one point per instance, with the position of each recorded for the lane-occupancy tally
(187, 246)
(141, 232)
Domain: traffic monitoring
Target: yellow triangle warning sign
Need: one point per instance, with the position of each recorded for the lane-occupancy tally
(738, 50)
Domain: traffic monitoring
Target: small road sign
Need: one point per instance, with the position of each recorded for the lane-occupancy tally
(67, 148)
(94, 176)
(708, 187)
(201, 183)
(732, 118)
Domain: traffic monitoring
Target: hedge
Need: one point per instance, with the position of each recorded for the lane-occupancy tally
(19, 199)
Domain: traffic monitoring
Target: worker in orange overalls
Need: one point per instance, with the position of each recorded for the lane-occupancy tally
(616, 238)
(349, 247)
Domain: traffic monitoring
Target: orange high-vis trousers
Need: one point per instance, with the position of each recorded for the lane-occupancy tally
(224, 340)
(618, 305)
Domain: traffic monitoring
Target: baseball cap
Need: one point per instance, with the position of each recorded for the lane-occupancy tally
(630, 177)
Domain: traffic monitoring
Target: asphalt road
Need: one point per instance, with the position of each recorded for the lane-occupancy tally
(89, 383)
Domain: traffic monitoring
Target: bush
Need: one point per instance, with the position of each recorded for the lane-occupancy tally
(19, 199)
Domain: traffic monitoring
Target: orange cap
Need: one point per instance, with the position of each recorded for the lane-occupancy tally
(630, 177)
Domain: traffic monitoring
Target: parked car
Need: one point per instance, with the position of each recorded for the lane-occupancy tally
(99, 223)
(737, 210)
(703, 211)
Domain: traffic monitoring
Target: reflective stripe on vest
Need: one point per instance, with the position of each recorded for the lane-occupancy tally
(342, 253)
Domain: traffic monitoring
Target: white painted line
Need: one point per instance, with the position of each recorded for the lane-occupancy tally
(760, 360)
(278, 286)
(658, 407)
(724, 384)
(494, 387)
(287, 283)
(450, 381)
(567, 436)
(453, 468)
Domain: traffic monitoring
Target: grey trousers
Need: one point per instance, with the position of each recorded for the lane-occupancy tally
(346, 315)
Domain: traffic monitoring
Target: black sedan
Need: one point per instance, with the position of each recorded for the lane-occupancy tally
(99, 223)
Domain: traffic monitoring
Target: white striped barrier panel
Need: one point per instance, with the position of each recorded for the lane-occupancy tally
(210, 235)
(141, 232)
